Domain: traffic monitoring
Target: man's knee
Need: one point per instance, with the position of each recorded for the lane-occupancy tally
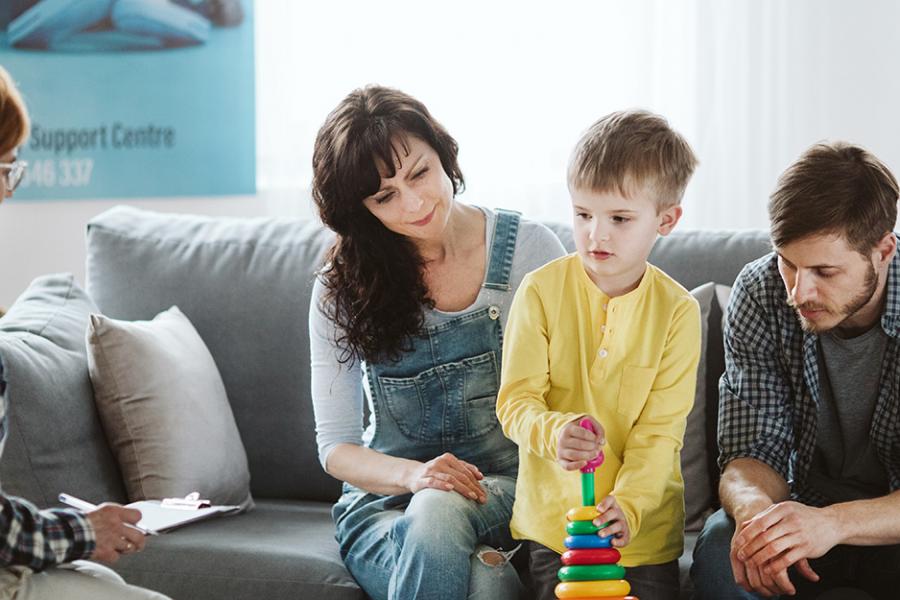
(711, 568)
(82, 581)
(714, 542)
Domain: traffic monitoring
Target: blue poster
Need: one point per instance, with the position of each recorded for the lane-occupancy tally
(134, 98)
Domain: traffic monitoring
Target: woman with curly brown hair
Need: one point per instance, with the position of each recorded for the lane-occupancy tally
(408, 314)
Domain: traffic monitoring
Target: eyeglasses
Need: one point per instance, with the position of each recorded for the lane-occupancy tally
(14, 172)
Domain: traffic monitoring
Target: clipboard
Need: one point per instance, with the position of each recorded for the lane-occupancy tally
(161, 516)
(157, 517)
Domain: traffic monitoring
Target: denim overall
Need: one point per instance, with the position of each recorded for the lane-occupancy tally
(440, 397)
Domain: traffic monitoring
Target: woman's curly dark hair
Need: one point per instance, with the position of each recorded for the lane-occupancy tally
(374, 281)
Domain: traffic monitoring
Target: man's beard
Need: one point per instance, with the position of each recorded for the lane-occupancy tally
(870, 285)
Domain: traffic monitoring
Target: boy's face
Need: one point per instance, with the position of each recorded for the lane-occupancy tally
(614, 235)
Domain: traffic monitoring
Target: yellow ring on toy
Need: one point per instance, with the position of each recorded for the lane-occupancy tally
(586, 589)
(583, 513)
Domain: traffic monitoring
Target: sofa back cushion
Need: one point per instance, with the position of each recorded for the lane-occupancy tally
(245, 284)
(55, 442)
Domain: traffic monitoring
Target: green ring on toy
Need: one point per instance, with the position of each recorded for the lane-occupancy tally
(582, 527)
(591, 573)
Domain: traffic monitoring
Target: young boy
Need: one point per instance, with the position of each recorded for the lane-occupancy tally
(603, 334)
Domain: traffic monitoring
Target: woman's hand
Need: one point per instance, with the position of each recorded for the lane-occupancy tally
(577, 445)
(448, 473)
(614, 518)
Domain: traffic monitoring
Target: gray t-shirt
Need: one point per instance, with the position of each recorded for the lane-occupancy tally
(338, 390)
(845, 466)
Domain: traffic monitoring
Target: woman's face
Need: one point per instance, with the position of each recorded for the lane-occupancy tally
(416, 201)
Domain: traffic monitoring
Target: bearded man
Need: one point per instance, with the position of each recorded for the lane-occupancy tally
(809, 404)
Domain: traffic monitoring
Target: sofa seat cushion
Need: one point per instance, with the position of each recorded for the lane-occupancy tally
(279, 550)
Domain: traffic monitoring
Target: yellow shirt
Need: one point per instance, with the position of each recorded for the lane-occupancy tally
(631, 363)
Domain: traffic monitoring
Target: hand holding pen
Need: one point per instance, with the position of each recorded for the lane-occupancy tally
(115, 528)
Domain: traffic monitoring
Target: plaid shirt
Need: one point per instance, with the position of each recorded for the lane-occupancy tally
(769, 393)
(38, 538)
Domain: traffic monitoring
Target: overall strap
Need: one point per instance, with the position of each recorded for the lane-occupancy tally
(503, 247)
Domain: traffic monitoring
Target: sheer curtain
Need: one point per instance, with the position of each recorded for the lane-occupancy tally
(750, 83)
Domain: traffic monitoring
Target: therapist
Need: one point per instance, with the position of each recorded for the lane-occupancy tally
(40, 549)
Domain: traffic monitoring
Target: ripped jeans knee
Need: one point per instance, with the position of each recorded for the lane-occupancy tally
(493, 575)
(493, 557)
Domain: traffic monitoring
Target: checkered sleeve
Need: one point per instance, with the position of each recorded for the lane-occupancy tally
(754, 415)
(38, 538)
(42, 538)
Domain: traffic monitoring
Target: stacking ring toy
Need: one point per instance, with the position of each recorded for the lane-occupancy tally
(583, 513)
(581, 527)
(588, 541)
(597, 556)
(586, 589)
(591, 572)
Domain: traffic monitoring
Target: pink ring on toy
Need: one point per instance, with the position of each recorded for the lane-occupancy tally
(597, 460)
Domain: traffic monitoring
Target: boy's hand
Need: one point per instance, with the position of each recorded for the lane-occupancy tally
(614, 518)
(578, 445)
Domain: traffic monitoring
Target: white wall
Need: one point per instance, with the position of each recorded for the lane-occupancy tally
(750, 83)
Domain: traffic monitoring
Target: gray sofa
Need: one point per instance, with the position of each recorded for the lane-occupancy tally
(245, 286)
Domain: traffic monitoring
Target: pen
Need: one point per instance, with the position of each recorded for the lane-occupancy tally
(86, 506)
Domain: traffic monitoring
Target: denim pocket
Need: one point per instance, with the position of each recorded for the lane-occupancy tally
(452, 402)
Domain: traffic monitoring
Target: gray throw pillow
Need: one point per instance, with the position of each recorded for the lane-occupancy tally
(54, 440)
(698, 493)
(164, 408)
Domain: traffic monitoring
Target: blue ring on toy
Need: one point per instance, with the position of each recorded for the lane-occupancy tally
(577, 542)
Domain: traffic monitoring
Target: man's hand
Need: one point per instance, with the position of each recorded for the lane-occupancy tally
(112, 532)
(614, 518)
(753, 579)
(785, 534)
(577, 445)
(448, 473)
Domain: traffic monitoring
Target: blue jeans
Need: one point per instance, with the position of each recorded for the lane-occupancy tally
(711, 570)
(846, 572)
(420, 546)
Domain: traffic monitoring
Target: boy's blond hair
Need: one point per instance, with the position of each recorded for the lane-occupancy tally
(14, 122)
(627, 151)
